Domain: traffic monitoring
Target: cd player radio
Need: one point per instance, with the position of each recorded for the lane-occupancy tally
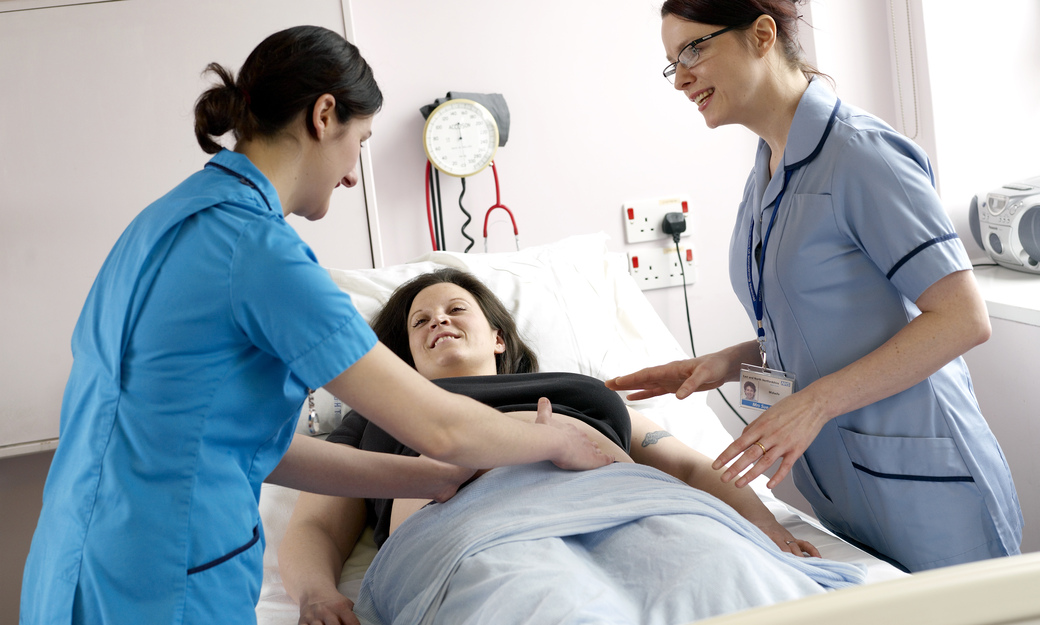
(1006, 223)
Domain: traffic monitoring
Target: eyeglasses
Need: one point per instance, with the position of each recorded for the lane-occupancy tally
(690, 54)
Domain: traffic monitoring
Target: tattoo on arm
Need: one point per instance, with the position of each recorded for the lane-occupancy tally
(653, 437)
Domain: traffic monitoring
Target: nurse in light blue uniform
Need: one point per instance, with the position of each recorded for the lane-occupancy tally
(193, 354)
(858, 237)
(843, 254)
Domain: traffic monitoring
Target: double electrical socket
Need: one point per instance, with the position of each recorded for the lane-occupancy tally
(658, 267)
(643, 218)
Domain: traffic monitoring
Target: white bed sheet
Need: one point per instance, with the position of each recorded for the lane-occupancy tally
(577, 306)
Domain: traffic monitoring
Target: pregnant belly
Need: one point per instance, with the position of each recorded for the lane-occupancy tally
(404, 508)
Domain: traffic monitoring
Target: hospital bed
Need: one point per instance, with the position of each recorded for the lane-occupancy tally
(577, 306)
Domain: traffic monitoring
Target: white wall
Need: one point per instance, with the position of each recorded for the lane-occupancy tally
(593, 125)
(985, 79)
(850, 37)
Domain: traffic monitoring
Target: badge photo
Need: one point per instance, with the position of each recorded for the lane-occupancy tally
(760, 387)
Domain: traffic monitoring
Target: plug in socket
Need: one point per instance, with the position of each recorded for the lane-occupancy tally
(643, 217)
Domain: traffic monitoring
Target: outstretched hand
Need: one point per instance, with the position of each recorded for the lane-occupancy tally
(682, 377)
(579, 452)
(783, 432)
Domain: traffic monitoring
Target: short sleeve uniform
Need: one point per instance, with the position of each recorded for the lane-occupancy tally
(192, 356)
(575, 395)
(860, 234)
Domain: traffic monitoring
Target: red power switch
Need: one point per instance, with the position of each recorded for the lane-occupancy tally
(689, 255)
(685, 207)
(631, 213)
(635, 259)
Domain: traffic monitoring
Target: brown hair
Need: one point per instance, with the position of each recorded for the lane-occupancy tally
(284, 75)
(391, 324)
(741, 14)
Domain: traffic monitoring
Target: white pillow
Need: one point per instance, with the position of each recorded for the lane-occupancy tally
(576, 306)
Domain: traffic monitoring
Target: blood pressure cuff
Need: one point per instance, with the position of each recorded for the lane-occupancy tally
(493, 102)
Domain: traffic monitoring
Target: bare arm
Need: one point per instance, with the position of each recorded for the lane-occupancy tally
(655, 447)
(329, 469)
(321, 534)
(450, 427)
(953, 319)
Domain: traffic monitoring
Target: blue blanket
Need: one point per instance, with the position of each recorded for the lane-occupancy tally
(621, 544)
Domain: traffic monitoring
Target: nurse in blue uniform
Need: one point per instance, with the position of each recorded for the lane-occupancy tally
(207, 323)
(858, 288)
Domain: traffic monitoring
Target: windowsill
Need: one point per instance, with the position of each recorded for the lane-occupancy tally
(1009, 294)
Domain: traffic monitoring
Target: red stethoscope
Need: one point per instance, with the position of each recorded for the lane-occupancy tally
(434, 214)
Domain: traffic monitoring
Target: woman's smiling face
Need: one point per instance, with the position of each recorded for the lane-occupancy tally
(717, 82)
(449, 336)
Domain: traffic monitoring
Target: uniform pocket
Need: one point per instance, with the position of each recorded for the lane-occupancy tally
(227, 556)
(225, 590)
(906, 458)
(921, 496)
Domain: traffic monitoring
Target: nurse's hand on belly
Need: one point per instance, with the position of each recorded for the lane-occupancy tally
(605, 444)
(403, 508)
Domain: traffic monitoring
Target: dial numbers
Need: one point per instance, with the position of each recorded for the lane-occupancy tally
(460, 137)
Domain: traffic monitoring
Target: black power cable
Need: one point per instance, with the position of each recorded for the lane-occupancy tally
(468, 217)
(675, 224)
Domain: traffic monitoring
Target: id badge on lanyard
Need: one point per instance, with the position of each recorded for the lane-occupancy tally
(760, 386)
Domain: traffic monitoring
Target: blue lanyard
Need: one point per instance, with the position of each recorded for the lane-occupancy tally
(757, 301)
(756, 291)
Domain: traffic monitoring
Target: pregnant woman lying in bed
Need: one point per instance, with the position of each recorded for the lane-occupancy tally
(631, 542)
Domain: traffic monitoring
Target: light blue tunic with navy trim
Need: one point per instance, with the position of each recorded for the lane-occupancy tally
(860, 235)
(192, 356)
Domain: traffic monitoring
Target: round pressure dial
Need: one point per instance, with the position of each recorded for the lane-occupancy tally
(460, 137)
